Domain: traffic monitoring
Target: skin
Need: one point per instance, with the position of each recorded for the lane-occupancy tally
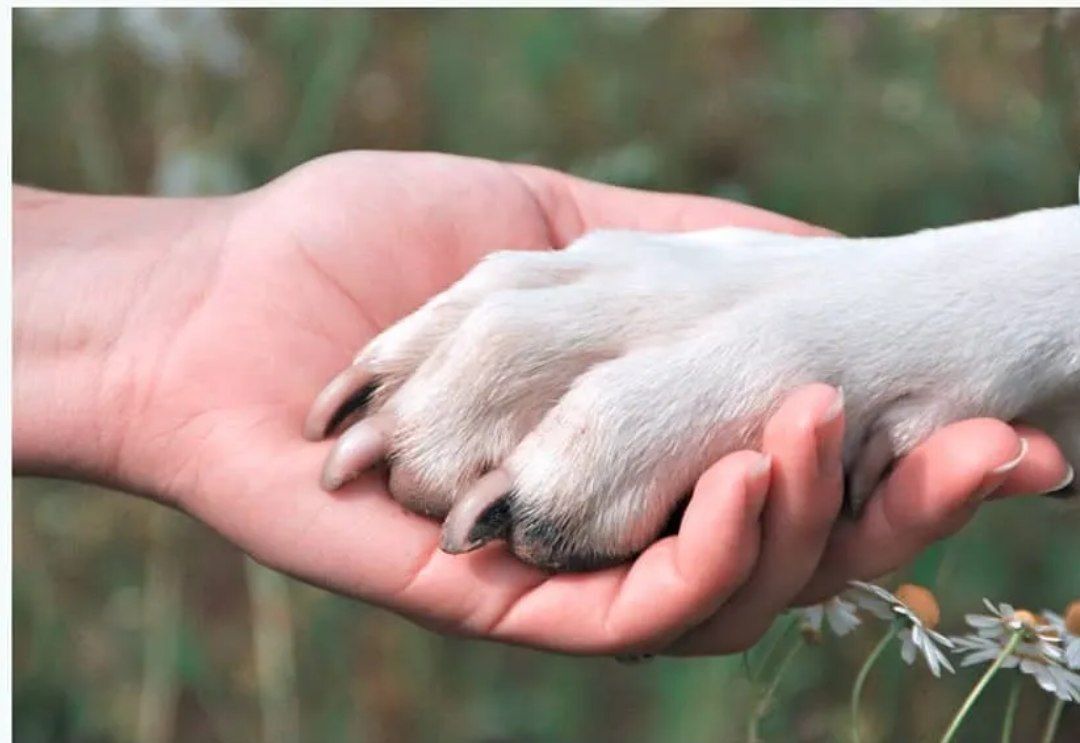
(171, 348)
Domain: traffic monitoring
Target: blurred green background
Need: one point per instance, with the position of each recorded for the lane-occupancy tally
(132, 622)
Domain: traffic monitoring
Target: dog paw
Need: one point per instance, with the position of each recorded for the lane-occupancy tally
(566, 402)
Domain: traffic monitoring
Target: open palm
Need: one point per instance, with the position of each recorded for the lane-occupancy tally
(311, 266)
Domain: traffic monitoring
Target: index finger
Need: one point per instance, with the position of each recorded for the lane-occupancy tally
(673, 585)
(933, 492)
(575, 205)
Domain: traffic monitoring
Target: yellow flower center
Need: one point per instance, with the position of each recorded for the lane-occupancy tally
(1072, 617)
(1025, 618)
(810, 635)
(921, 602)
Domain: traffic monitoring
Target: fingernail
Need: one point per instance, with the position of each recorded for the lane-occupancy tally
(829, 440)
(759, 470)
(996, 477)
(1066, 489)
(1014, 462)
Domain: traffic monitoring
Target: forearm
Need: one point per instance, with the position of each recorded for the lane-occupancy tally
(84, 268)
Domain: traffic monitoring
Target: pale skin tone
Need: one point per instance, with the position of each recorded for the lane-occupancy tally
(172, 348)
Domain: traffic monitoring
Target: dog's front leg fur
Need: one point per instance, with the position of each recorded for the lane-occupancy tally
(566, 401)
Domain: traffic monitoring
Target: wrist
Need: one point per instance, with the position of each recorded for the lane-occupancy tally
(92, 306)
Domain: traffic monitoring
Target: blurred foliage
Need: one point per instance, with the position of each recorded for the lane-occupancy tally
(133, 623)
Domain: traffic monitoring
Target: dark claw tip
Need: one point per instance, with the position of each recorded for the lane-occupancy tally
(493, 523)
(479, 516)
(353, 403)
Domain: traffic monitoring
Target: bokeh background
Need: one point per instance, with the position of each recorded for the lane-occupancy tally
(134, 623)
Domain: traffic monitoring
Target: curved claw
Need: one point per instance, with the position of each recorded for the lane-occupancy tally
(363, 444)
(480, 515)
(345, 394)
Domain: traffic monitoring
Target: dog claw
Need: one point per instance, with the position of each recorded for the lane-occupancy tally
(362, 445)
(480, 516)
(346, 394)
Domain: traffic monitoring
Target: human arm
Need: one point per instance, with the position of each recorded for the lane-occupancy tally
(172, 347)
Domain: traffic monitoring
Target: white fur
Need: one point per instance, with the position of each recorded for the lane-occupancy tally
(607, 376)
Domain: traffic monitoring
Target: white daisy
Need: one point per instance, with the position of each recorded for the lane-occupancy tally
(1048, 673)
(916, 609)
(1068, 629)
(1037, 651)
(840, 614)
(1003, 621)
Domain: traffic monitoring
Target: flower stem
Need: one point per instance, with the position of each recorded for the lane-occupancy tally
(766, 699)
(961, 713)
(1010, 711)
(1052, 721)
(860, 680)
(762, 667)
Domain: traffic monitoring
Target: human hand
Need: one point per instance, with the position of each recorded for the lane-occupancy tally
(187, 368)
